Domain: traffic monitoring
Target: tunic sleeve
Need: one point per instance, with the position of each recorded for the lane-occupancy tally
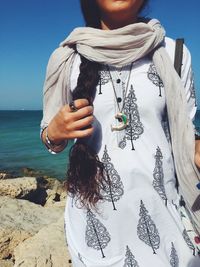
(187, 76)
(56, 91)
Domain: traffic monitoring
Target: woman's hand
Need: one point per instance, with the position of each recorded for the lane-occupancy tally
(69, 125)
(197, 153)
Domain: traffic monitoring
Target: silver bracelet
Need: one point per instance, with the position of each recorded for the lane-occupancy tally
(52, 147)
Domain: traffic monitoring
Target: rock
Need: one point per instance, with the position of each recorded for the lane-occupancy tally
(4, 175)
(51, 198)
(57, 195)
(6, 263)
(37, 190)
(18, 187)
(47, 248)
(21, 219)
(30, 172)
(54, 198)
(9, 239)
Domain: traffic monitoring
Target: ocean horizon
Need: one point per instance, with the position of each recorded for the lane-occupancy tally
(21, 150)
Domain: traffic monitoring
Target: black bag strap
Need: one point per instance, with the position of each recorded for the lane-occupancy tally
(178, 55)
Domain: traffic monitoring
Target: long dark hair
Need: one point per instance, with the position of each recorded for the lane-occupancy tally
(86, 175)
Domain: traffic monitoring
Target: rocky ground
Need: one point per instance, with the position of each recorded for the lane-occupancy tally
(31, 222)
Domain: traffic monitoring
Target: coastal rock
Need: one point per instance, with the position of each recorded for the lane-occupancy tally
(56, 195)
(17, 187)
(6, 263)
(9, 239)
(4, 175)
(20, 219)
(37, 190)
(29, 172)
(47, 248)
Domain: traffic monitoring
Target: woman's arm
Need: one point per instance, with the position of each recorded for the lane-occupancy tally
(197, 153)
(67, 124)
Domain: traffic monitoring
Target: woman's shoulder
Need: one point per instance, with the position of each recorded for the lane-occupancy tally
(170, 45)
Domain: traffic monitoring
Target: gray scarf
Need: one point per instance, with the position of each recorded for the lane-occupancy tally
(121, 47)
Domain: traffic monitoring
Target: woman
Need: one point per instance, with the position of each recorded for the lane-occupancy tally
(124, 206)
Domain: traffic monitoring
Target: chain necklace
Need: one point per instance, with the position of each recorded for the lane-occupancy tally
(120, 116)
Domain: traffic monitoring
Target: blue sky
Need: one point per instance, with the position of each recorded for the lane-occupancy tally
(32, 29)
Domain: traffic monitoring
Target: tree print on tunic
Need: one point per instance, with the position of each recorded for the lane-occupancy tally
(113, 188)
(103, 79)
(158, 175)
(96, 235)
(146, 229)
(155, 78)
(130, 259)
(174, 260)
(192, 87)
(188, 241)
(135, 127)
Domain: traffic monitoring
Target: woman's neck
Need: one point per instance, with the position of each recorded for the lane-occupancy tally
(111, 24)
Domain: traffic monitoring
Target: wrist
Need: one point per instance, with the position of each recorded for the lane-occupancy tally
(50, 138)
(52, 145)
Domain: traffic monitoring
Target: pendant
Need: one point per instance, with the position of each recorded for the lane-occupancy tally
(122, 118)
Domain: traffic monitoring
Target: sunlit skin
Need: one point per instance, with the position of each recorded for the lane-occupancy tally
(67, 125)
(118, 13)
(197, 153)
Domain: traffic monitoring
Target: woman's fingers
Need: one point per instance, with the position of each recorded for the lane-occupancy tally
(84, 133)
(68, 124)
(80, 133)
(83, 110)
(82, 113)
(79, 103)
(83, 123)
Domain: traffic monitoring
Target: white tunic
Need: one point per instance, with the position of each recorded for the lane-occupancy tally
(140, 222)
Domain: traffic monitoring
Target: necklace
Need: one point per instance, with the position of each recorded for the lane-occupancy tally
(120, 116)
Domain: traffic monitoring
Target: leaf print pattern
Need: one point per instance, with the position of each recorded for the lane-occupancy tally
(174, 260)
(188, 241)
(155, 78)
(130, 259)
(135, 127)
(113, 188)
(122, 143)
(104, 78)
(192, 87)
(146, 229)
(96, 235)
(158, 182)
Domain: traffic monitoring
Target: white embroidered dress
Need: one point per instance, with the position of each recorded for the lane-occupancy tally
(139, 222)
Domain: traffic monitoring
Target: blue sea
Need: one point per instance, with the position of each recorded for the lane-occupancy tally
(21, 148)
